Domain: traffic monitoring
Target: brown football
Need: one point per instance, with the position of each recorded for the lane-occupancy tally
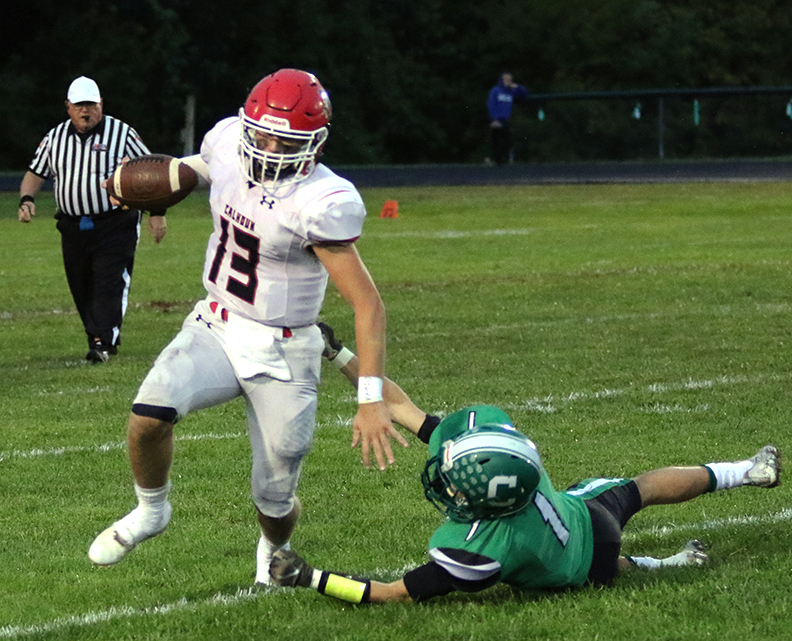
(152, 182)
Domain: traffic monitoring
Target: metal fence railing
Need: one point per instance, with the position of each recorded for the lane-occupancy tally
(655, 102)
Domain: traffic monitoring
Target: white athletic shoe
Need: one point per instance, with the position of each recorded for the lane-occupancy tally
(765, 470)
(264, 553)
(693, 553)
(122, 536)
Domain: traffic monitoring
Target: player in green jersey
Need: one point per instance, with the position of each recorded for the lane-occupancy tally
(507, 523)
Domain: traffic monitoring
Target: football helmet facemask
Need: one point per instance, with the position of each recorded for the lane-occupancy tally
(284, 125)
(486, 472)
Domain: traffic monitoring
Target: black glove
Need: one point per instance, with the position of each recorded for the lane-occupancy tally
(288, 569)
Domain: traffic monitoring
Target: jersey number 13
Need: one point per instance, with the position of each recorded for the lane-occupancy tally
(244, 265)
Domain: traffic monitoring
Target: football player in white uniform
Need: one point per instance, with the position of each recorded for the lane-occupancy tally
(283, 223)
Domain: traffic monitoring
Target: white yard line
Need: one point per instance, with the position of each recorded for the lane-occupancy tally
(246, 594)
(551, 403)
(105, 447)
(714, 524)
(127, 612)
(546, 405)
(452, 233)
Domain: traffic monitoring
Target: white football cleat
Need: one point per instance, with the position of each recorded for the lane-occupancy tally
(693, 553)
(122, 536)
(264, 553)
(765, 470)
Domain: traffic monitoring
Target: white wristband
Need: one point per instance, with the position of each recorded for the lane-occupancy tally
(369, 389)
(342, 358)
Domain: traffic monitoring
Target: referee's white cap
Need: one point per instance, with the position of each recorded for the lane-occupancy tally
(83, 89)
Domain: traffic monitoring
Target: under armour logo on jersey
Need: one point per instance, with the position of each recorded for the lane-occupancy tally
(266, 201)
(203, 320)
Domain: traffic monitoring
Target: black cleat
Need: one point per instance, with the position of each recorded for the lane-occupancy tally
(100, 353)
(97, 355)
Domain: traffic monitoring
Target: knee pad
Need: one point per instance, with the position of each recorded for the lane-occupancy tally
(167, 414)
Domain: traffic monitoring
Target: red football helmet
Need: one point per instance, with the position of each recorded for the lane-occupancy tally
(284, 127)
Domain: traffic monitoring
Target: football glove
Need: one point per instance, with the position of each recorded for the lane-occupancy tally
(289, 570)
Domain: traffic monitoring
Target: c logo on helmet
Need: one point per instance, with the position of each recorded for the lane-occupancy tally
(497, 481)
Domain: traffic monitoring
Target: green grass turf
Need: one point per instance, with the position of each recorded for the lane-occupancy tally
(623, 327)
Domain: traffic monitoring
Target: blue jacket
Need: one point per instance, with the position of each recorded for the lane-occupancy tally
(501, 99)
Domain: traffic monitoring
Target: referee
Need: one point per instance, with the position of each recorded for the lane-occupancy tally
(97, 239)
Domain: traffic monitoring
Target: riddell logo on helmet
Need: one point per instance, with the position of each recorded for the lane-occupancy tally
(276, 122)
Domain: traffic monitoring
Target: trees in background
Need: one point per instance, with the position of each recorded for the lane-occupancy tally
(409, 80)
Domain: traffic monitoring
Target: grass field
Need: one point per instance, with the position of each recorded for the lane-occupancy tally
(622, 327)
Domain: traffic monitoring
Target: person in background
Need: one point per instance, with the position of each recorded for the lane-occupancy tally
(98, 239)
(499, 105)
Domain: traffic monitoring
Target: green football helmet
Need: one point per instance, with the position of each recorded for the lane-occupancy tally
(486, 472)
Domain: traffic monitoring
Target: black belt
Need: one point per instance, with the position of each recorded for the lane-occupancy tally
(102, 215)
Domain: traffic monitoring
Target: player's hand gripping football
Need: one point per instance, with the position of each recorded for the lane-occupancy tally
(289, 570)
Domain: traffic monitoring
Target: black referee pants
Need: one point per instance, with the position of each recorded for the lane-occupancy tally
(98, 255)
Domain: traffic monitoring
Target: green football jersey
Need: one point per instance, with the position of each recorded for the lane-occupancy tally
(548, 544)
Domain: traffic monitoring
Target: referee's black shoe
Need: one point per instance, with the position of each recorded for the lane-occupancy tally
(100, 353)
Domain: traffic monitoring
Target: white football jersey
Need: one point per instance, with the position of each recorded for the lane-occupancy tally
(259, 261)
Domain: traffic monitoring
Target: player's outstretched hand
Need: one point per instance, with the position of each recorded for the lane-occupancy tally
(372, 428)
(289, 570)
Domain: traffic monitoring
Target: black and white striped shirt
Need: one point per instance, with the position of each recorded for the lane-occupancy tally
(79, 163)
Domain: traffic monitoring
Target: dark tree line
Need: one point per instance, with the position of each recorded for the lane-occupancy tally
(408, 79)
